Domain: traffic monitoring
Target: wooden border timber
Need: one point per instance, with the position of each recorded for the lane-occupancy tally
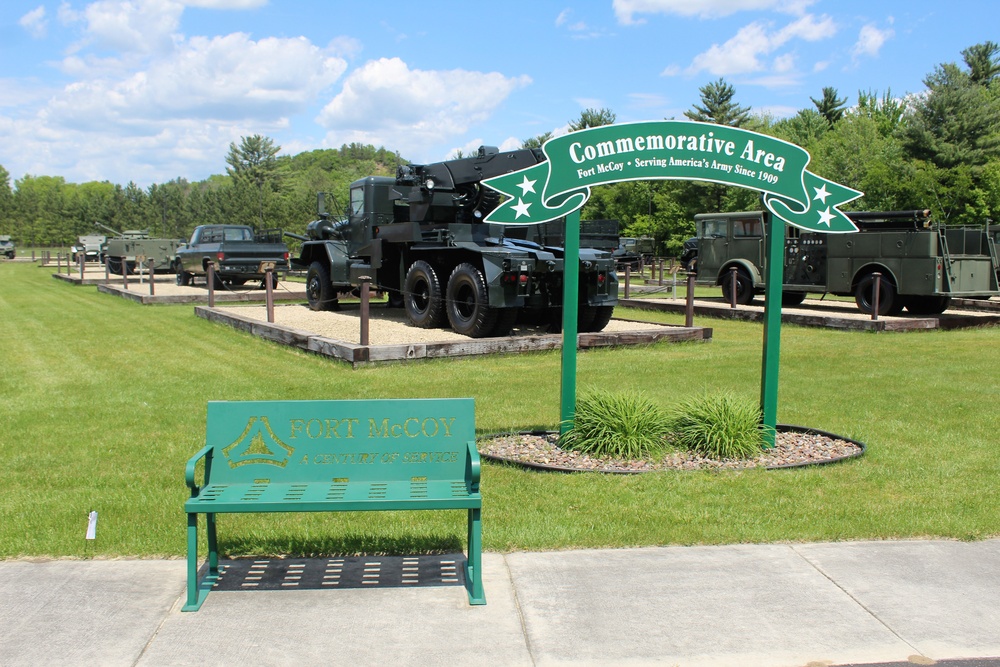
(357, 355)
(702, 307)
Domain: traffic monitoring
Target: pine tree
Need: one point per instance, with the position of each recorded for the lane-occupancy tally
(717, 106)
(830, 107)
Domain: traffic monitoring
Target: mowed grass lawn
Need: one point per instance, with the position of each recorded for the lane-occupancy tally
(103, 402)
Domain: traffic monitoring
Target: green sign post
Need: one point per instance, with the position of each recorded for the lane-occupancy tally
(675, 150)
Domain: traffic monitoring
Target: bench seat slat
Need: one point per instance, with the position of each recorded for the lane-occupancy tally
(329, 496)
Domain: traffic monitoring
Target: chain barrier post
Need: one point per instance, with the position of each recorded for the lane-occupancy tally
(732, 287)
(365, 308)
(210, 276)
(151, 273)
(877, 287)
(689, 304)
(628, 279)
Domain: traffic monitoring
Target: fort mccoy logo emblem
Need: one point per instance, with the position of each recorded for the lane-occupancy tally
(258, 444)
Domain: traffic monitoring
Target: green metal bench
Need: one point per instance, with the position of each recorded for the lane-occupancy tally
(334, 456)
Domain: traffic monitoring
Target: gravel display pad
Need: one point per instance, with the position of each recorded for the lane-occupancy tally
(794, 446)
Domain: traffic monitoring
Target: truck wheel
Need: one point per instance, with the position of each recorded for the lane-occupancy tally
(928, 305)
(792, 298)
(422, 297)
(599, 318)
(864, 296)
(506, 318)
(183, 277)
(744, 287)
(469, 311)
(319, 291)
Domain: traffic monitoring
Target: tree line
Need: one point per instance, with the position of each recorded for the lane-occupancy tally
(938, 150)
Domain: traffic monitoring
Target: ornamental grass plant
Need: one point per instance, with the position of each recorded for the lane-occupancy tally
(617, 425)
(719, 426)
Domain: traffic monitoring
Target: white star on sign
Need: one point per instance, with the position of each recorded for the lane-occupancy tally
(529, 186)
(821, 193)
(520, 208)
(825, 217)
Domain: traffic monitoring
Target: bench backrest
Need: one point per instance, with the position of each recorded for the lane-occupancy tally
(339, 440)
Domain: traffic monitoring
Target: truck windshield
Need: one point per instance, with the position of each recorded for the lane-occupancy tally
(357, 201)
(712, 228)
(748, 227)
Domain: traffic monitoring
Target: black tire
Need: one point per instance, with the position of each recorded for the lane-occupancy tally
(744, 287)
(394, 299)
(593, 318)
(927, 305)
(263, 282)
(792, 298)
(115, 266)
(506, 318)
(422, 296)
(864, 295)
(469, 312)
(601, 318)
(183, 277)
(319, 291)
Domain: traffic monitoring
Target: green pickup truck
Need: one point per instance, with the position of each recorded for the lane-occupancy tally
(237, 253)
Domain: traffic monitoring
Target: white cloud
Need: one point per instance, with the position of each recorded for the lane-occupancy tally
(386, 103)
(563, 17)
(625, 10)
(870, 40)
(744, 52)
(35, 22)
(145, 26)
(220, 79)
(225, 4)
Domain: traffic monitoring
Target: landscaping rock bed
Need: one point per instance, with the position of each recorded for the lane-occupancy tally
(794, 446)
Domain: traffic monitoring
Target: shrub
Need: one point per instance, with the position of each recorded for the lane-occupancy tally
(620, 425)
(720, 426)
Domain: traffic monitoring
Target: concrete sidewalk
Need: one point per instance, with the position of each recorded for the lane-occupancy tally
(768, 605)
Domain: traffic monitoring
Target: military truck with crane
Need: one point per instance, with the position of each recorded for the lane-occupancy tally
(421, 238)
(920, 264)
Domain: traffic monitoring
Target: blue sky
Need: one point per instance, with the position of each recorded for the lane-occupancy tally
(150, 90)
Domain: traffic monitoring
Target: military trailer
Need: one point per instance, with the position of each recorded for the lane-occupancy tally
(89, 246)
(421, 238)
(125, 250)
(7, 247)
(922, 264)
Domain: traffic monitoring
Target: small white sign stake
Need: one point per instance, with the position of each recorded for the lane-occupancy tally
(92, 525)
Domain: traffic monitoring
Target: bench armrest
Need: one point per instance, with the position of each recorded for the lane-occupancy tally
(472, 467)
(206, 453)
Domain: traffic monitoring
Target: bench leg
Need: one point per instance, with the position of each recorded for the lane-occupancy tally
(198, 591)
(213, 546)
(474, 562)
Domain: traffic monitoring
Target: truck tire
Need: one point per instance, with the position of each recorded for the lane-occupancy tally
(115, 265)
(591, 319)
(744, 287)
(888, 301)
(422, 296)
(469, 311)
(792, 298)
(506, 318)
(319, 291)
(928, 305)
(183, 277)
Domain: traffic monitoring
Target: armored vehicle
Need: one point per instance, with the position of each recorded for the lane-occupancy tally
(420, 237)
(90, 247)
(237, 252)
(922, 264)
(124, 251)
(7, 247)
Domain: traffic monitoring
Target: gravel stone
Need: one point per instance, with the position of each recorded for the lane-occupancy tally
(792, 448)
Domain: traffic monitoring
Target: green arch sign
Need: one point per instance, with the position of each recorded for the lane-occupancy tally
(684, 150)
(674, 150)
